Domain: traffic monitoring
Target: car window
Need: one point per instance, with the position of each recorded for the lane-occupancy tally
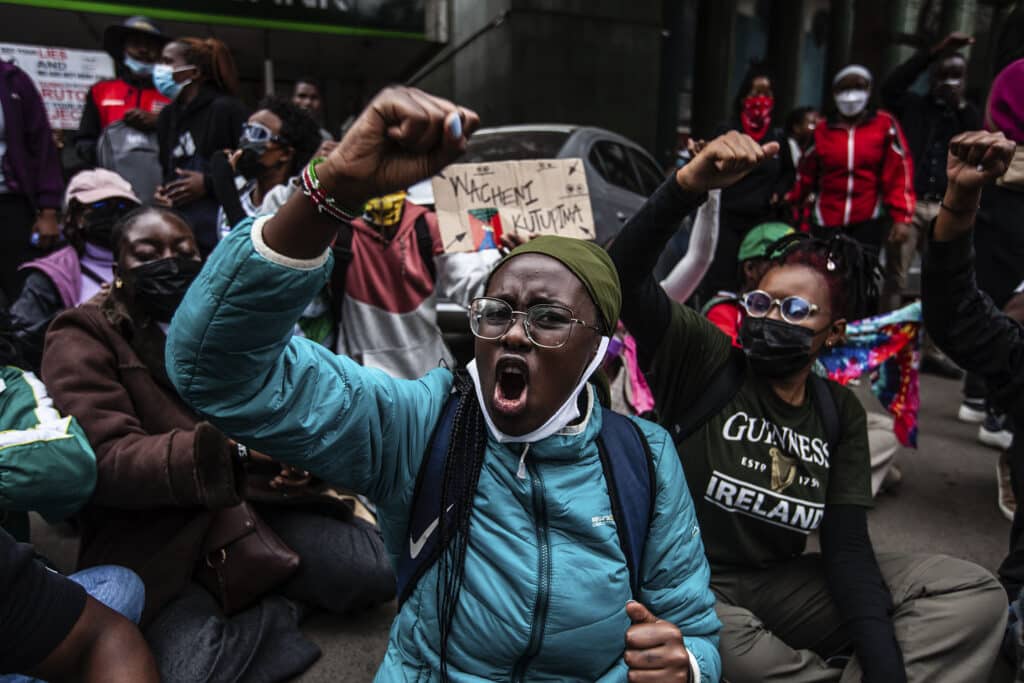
(541, 144)
(614, 166)
(650, 177)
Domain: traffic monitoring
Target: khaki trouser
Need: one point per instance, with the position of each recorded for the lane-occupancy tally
(898, 257)
(779, 624)
(883, 446)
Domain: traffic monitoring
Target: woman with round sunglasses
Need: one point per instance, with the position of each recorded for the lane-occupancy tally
(773, 454)
(529, 580)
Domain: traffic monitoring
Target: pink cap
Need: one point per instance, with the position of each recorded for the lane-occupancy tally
(1006, 102)
(91, 186)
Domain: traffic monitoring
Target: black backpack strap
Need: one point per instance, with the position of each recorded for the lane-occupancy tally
(828, 410)
(92, 275)
(425, 244)
(720, 391)
(629, 472)
(421, 549)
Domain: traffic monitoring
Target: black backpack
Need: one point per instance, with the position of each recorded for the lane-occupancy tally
(628, 466)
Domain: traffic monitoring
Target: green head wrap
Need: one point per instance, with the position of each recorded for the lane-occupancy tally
(587, 261)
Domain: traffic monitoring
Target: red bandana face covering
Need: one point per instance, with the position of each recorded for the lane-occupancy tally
(757, 115)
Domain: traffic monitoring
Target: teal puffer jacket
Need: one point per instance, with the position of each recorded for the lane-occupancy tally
(546, 540)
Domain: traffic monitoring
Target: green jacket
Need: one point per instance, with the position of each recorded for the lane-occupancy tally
(46, 463)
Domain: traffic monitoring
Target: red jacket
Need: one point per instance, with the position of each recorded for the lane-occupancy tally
(857, 170)
(114, 98)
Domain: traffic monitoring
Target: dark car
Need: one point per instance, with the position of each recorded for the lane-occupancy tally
(621, 175)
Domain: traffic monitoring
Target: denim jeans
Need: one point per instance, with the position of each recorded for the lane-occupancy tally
(116, 587)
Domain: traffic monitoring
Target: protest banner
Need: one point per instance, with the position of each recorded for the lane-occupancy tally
(478, 203)
(62, 76)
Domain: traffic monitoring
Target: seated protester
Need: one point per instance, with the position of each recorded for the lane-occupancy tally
(170, 484)
(773, 453)
(46, 466)
(517, 583)
(757, 251)
(276, 142)
(383, 288)
(46, 463)
(963, 320)
(54, 627)
(724, 309)
(93, 202)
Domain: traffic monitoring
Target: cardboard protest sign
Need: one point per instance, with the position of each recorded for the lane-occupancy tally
(477, 203)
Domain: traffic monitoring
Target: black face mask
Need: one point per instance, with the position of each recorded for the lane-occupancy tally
(159, 286)
(99, 223)
(248, 164)
(776, 348)
(98, 231)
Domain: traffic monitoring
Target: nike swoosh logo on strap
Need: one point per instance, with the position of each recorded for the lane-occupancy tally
(416, 547)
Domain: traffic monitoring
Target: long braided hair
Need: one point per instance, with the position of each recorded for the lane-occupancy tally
(851, 271)
(463, 463)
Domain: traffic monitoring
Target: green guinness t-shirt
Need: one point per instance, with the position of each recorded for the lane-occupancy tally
(761, 470)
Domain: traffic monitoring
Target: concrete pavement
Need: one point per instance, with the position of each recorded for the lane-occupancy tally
(946, 504)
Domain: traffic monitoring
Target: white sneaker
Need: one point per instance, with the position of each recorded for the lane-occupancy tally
(1007, 502)
(1001, 439)
(996, 431)
(972, 411)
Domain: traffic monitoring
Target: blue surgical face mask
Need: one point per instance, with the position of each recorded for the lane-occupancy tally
(163, 80)
(137, 67)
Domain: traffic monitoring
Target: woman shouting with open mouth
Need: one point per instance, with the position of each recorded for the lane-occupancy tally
(521, 515)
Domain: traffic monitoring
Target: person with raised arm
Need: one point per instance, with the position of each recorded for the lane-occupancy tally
(773, 453)
(528, 561)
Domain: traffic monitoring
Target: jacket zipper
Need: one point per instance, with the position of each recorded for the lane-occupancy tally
(540, 610)
(850, 147)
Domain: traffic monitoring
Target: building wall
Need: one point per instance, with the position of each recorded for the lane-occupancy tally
(589, 62)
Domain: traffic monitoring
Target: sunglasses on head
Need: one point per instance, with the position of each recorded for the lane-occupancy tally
(257, 133)
(794, 309)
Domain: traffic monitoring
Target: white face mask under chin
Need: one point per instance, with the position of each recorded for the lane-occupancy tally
(851, 102)
(561, 418)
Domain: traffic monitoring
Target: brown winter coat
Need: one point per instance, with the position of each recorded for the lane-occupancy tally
(161, 469)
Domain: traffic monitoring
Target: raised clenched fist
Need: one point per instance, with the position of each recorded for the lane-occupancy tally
(403, 136)
(724, 161)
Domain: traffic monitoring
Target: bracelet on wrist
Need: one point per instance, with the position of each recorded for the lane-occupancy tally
(324, 203)
(958, 212)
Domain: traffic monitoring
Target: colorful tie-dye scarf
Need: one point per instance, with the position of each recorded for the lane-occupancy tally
(888, 346)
